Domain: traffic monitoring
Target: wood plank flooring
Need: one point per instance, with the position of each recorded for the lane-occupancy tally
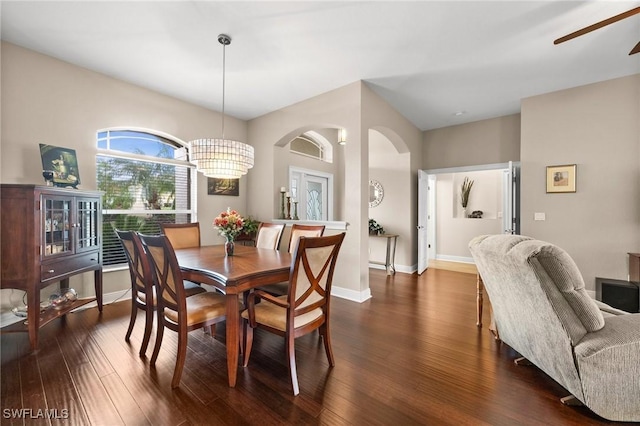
(410, 355)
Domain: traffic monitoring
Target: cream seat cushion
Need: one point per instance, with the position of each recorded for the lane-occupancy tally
(276, 317)
(200, 308)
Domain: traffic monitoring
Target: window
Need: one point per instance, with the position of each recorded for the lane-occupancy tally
(313, 191)
(147, 180)
(312, 144)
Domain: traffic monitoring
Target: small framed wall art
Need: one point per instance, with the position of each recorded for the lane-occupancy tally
(59, 165)
(217, 186)
(561, 178)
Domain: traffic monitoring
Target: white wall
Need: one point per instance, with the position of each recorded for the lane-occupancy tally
(596, 127)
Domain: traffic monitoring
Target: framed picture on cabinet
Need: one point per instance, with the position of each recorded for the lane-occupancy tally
(561, 178)
(217, 186)
(60, 165)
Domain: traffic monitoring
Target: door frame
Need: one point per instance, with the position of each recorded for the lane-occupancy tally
(430, 222)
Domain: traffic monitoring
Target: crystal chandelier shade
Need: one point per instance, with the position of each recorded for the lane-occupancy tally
(221, 158)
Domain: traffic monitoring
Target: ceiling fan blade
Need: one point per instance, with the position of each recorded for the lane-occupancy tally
(635, 49)
(598, 25)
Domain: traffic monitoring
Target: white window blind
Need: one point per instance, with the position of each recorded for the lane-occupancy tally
(147, 180)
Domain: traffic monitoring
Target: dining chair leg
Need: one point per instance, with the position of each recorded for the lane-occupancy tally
(132, 321)
(159, 335)
(326, 338)
(148, 325)
(247, 341)
(291, 358)
(181, 357)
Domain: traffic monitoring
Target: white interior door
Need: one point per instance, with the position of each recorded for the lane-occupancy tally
(511, 200)
(426, 219)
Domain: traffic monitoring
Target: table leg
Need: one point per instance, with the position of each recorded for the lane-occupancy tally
(479, 301)
(387, 263)
(233, 342)
(393, 255)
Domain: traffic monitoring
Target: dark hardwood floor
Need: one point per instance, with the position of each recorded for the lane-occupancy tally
(410, 355)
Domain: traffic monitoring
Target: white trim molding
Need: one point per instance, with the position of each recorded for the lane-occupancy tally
(353, 295)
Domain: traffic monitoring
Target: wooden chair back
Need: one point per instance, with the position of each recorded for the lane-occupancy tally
(175, 310)
(305, 308)
(298, 231)
(312, 274)
(168, 278)
(182, 235)
(269, 235)
(142, 293)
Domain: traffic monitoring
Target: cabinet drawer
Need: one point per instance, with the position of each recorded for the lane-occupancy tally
(68, 265)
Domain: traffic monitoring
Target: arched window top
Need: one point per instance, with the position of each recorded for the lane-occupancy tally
(312, 144)
(142, 143)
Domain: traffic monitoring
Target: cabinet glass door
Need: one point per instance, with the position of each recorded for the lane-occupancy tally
(57, 226)
(88, 226)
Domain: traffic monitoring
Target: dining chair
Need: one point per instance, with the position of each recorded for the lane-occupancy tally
(304, 308)
(269, 235)
(142, 288)
(297, 231)
(176, 311)
(182, 235)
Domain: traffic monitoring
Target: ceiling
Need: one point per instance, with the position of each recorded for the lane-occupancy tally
(430, 60)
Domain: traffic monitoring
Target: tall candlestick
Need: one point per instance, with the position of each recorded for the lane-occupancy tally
(288, 207)
(295, 211)
(282, 216)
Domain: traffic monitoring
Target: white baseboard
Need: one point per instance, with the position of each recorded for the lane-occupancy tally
(449, 258)
(353, 295)
(399, 268)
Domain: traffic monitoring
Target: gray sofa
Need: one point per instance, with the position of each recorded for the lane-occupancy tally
(543, 311)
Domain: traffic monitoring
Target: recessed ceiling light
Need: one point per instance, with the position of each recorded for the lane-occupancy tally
(459, 113)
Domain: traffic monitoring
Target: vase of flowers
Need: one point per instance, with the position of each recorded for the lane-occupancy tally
(229, 223)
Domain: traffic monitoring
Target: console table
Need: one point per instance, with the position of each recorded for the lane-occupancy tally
(389, 262)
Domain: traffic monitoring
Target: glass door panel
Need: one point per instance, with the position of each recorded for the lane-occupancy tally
(87, 224)
(57, 226)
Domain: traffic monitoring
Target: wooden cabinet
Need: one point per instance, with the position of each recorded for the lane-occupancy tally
(48, 235)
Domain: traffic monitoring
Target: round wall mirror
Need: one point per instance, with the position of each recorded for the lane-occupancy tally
(375, 193)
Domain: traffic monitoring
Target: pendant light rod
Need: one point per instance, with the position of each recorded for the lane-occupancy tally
(224, 40)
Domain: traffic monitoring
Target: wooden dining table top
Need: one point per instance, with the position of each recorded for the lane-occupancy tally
(249, 267)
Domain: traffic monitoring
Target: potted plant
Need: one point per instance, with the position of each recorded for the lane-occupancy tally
(465, 191)
(375, 228)
(249, 229)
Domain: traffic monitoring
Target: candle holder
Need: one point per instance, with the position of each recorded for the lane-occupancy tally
(295, 211)
(282, 216)
(288, 208)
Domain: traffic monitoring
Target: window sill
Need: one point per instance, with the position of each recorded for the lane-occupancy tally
(329, 224)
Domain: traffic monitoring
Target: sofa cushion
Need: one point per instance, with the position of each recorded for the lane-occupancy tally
(564, 273)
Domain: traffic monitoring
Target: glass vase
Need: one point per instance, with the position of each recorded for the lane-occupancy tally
(229, 246)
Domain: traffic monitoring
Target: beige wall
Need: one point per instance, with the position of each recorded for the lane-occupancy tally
(45, 100)
(453, 231)
(407, 140)
(392, 170)
(596, 127)
(357, 109)
(492, 141)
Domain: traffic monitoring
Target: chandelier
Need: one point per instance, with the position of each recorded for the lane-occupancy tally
(221, 158)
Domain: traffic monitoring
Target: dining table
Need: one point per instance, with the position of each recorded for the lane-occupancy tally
(248, 268)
